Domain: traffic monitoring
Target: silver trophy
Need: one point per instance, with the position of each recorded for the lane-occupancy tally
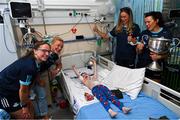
(160, 46)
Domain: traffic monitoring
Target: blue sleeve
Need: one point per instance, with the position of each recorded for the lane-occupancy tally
(26, 77)
(168, 33)
(136, 30)
(26, 81)
(112, 33)
(27, 70)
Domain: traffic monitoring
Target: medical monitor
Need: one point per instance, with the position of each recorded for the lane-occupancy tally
(20, 10)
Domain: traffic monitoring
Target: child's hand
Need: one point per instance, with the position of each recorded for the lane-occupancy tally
(94, 61)
(73, 66)
(94, 77)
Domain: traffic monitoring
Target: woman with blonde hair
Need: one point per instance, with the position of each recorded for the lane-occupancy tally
(49, 70)
(125, 33)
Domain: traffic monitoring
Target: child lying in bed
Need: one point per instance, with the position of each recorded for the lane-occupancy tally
(101, 92)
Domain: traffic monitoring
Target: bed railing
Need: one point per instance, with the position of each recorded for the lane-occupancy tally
(170, 98)
(63, 85)
(165, 95)
(172, 70)
(104, 62)
(79, 59)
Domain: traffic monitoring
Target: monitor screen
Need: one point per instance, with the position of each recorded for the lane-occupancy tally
(20, 10)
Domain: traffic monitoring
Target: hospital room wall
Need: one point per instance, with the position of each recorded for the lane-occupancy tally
(71, 43)
(58, 21)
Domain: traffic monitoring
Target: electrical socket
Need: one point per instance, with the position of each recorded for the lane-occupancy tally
(79, 14)
(87, 14)
(75, 13)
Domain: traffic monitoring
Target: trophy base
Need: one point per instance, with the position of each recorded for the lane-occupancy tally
(154, 66)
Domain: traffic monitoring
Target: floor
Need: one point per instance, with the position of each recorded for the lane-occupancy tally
(60, 113)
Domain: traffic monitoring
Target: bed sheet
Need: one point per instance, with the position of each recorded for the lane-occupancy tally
(77, 89)
(143, 107)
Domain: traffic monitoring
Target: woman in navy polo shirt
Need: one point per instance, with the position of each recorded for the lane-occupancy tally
(125, 32)
(155, 29)
(15, 81)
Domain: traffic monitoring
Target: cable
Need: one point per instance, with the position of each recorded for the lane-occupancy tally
(5, 41)
(72, 27)
(5, 37)
(18, 44)
(89, 25)
(30, 36)
(44, 24)
(90, 29)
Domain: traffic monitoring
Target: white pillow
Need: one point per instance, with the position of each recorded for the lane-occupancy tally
(127, 80)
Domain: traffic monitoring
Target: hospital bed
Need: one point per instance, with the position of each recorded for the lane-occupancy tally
(153, 101)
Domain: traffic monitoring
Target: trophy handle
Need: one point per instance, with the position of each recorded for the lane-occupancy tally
(174, 43)
(144, 39)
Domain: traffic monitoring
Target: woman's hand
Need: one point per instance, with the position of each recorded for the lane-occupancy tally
(155, 56)
(129, 38)
(100, 33)
(26, 113)
(42, 83)
(132, 40)
(95, 29)
(59, 65)
(139, 48)
(54, 72)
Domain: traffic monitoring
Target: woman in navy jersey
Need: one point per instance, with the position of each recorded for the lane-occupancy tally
(16, 79)
(155, 29)
(125, 33)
